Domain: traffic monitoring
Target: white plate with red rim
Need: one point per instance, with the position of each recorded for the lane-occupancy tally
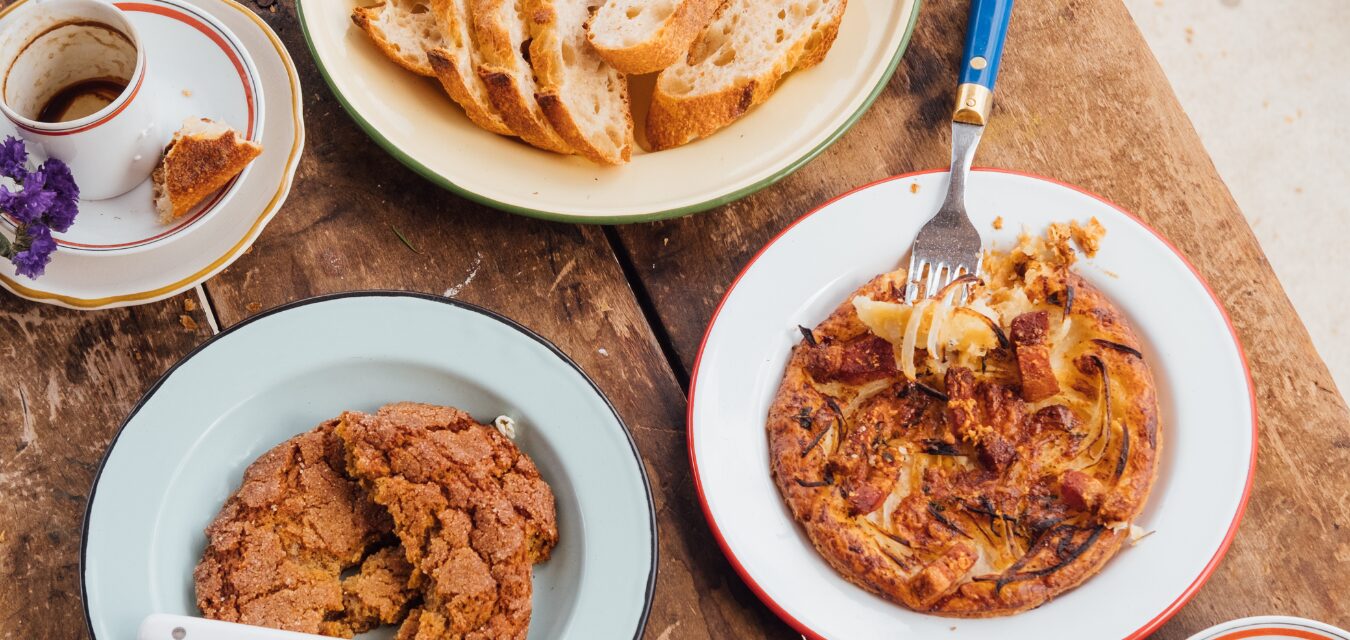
(1272, 628)
(206, 58)
(1209, 427)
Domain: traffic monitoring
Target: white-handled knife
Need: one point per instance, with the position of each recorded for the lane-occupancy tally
(164, 626)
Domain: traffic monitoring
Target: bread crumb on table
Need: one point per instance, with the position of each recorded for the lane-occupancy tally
(187, 322)
(189, 304)
(253, 307)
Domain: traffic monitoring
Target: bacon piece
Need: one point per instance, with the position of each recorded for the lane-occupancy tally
(1054, 417)
(854, 362)
(986, 414)
(1033, 356)
(1080, 491)
(996, 453)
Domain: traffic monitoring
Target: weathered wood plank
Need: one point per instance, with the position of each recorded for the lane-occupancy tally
(1081, 99)
(71, 378)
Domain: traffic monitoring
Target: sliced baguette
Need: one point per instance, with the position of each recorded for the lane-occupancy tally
(643, 36)
(501, 36)
(203, 156)
(455, 64)
(584, 98)
(403, 30)
(737, 64)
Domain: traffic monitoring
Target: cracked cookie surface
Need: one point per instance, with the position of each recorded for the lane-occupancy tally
(470, 510)
(276, 551)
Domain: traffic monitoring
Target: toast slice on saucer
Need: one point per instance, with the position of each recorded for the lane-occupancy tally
(502, 36)
(737, 64)
(583, 97)
(203, 156)
(643, 36)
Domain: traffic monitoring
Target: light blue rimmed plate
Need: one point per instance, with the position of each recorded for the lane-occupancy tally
(184, 448)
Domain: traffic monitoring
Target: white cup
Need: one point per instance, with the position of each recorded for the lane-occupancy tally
(47, 46)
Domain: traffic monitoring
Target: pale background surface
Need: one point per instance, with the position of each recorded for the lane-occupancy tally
(1265, 84)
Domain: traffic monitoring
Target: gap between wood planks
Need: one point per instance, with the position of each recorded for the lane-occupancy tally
(644, 300)
(208, 309)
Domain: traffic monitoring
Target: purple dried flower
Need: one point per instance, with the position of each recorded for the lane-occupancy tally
(65, 205)
(37, 247)
(13, 159)
(29, 206)
(48, 200)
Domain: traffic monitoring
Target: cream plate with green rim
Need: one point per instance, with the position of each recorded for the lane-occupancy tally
(416, 122)
(186, 444)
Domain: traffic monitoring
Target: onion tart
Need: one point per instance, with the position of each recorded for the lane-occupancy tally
(972, 459)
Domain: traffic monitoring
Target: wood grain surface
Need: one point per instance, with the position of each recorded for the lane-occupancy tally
(1080, 99)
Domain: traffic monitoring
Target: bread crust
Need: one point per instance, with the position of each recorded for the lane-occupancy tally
(367, 18)
(501, 65)
(669, 42)
(550, 71)
(927, 558)
(454, 81)
(675, 120)
(445, 66)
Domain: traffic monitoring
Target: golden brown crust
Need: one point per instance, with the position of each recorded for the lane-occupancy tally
(675, 120)
(549, 70)
(958, 497)
(368, 18)
(195, 166)
(666, 46)
(275, 552)
(453, 80)
(470, 509)
(499, 71)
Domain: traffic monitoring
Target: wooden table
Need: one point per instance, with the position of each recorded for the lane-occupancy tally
(1081, 99)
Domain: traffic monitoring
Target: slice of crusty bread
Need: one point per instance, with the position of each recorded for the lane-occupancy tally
(737, 64)
(201, 158)
(642, 36)
(584, 98)
(455, 65)
(403, 30)
(502, 38)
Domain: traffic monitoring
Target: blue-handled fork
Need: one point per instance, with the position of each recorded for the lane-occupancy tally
(949, 246)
